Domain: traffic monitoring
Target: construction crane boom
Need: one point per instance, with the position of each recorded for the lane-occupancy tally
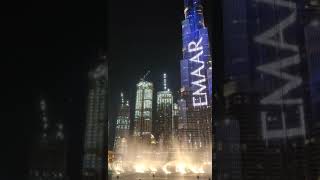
(147, 74)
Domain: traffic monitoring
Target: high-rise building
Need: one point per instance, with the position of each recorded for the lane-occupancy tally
(269, 78)
(143, 109)
(122, 126)
(311, 18)
(94, 165)
(227, 150)
(176, 115)
(164, 119)
(48, 155)
(196, 79)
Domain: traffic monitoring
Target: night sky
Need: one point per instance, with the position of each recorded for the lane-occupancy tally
(47, 50)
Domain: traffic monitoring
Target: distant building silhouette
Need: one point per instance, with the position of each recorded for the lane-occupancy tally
(47, 160)
(122, 127)
(94, 160)
(164, 120)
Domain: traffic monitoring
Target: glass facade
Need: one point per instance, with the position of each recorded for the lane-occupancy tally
(164, 120)
(196, 55)
(311, 23)
(96, 122)
(269, 77)
(195, 123)
(143, 108)
(122, 126)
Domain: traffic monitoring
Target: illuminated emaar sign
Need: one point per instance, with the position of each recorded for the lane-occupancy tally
(292, 117)
(199, 94)
(195, 65)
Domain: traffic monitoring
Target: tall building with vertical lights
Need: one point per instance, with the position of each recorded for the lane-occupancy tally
(94, 165)
(196, 78)
(122, 126)
(164, 118)
(143, 109)
(48, 155)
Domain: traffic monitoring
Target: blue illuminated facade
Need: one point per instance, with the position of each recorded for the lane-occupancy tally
(195, 123)
(196, 74)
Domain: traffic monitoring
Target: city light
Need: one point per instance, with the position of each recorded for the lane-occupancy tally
(148, 161)
(200, 97)
(166, 144)
(140, 168)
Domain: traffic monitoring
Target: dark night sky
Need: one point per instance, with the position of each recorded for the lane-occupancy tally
(47, 49)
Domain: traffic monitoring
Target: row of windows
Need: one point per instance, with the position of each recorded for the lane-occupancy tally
(123, 127)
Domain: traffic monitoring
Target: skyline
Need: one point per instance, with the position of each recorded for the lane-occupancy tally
(260, 122)
(168, 140)
(50, 56)
(163, 56)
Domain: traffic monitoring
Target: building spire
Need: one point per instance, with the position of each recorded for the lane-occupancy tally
(193, 11)
(164, 81)
(59, 131)
(122, 99)
(191, 3)
(44, 119)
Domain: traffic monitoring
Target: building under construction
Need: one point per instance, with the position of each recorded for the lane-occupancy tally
(164, 119)
(143, 109)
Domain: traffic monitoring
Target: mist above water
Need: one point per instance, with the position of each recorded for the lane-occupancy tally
(139, 156)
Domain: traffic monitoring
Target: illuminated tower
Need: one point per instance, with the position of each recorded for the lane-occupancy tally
(196, 62)
(196, 79)
(96, 124)
(268, 74)
(48, 155)
(143, 109)
(122, 126)
(164, 120)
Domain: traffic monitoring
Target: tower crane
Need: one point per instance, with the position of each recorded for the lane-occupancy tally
(147, 74)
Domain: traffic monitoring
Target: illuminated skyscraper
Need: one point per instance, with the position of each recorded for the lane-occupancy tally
(48, 155)
(164, 119)
(122, 126)
(196, 62)
(143, 109)
(196, 78)
(268, 72)
(94, 165)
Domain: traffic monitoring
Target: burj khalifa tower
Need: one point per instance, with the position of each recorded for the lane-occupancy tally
(196, 79)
